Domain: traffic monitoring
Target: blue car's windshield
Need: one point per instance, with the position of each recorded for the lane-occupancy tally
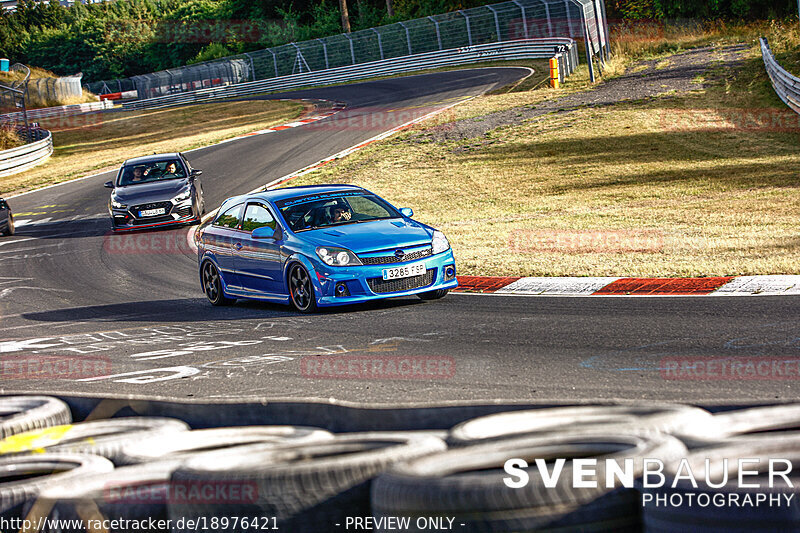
(322, 210)
(150, 172)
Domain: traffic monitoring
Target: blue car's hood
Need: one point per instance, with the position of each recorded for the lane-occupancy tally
(371, 236)
(159, 191)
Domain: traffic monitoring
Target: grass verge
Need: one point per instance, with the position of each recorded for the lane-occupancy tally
(93, 143)
(691, 185)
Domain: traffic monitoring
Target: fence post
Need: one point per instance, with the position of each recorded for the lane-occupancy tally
(589, 53)
(597, 23)
(496, 23)
(252, 66)
(605, 26)
(325, 52)
(469, 30)
(525, 17)
(408, 37)
(274, 61)
(352, 51)
(380, 42)
(439, 35)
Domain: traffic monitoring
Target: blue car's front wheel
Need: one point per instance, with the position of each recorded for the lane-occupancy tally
(212, 285)
(301, 289)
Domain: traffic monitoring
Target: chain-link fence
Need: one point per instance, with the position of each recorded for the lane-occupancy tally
(582, 20)
(56, 90)
(13, 99)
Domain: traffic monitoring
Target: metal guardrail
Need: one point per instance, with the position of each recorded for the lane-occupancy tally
(60, 111)
(562, 48)
(786, 85)
(582, 20)
(27, 156)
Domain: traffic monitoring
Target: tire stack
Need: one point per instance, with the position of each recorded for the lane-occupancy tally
(303, 479)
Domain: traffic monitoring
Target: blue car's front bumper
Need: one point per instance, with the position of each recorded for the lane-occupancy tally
(365, 282)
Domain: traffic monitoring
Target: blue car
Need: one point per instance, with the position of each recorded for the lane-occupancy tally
(318, 246)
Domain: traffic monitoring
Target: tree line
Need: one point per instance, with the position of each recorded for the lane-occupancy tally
(128, 37)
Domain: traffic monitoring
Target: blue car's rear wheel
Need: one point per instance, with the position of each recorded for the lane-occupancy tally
(212, 285)
(301, 289)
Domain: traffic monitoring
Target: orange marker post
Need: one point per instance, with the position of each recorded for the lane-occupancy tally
(555, 81)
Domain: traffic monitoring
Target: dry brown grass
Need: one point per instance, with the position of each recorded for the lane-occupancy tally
(668, 187)
(9, 139)
(38, 99)
(91, 143)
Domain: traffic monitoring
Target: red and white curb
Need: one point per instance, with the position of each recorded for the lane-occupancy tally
(337, 106)
(609, 286)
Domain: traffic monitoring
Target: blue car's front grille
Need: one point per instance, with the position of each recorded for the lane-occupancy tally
(381, 286)
(387, 259)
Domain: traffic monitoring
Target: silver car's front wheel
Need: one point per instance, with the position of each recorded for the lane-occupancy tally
(212, 285)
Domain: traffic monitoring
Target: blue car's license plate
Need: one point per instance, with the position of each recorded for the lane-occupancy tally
(417, 269)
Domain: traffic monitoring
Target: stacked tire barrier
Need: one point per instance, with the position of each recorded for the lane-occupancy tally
(786, 85)
(305, 479)
(27, 156)
(564, 49)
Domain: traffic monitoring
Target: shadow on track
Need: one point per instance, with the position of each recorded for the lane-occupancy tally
(199, 310)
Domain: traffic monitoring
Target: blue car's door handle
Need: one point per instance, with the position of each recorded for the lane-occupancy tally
(238, 246)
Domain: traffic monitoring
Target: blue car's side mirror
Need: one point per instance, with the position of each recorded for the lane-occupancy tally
(109, 185)
(407, 212)
(266, 232)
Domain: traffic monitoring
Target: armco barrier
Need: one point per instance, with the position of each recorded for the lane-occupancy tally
(786, 85)
(564, 49)
(332, 415)
(60, 111)
(22, 158)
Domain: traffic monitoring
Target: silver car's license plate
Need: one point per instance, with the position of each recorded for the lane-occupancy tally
(152, 212)
(417, 269)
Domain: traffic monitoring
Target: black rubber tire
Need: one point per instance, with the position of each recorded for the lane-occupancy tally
(25, 413)
(137, 492)
(186, 444)
(467, 485)
(301, 289)
(212, 285)
(308, 488)
(22, 478)
(102, 437)
(741, 425)
(665, 418)
(10, 227)
(680, 516)
(433, 295)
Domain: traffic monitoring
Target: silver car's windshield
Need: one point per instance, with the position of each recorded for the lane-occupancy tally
(334, 209)
(150, 172)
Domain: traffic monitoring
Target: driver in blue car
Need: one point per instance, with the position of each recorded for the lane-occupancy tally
(340, 213)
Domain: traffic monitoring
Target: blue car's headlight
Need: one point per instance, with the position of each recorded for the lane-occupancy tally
(183, 195)
(117, 205)
(440, 243)
(337, 256)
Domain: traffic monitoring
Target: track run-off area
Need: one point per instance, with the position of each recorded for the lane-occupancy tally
(130, 313)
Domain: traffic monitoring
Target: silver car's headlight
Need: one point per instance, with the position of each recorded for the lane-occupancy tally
(117, 205)
(183, 195)
(333, 256)
(440, 243)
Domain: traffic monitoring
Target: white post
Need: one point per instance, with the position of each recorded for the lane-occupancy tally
(497, 23)
(439, 35)
(469, 30)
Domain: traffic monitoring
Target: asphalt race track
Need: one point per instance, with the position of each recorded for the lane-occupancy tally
(134, 318)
